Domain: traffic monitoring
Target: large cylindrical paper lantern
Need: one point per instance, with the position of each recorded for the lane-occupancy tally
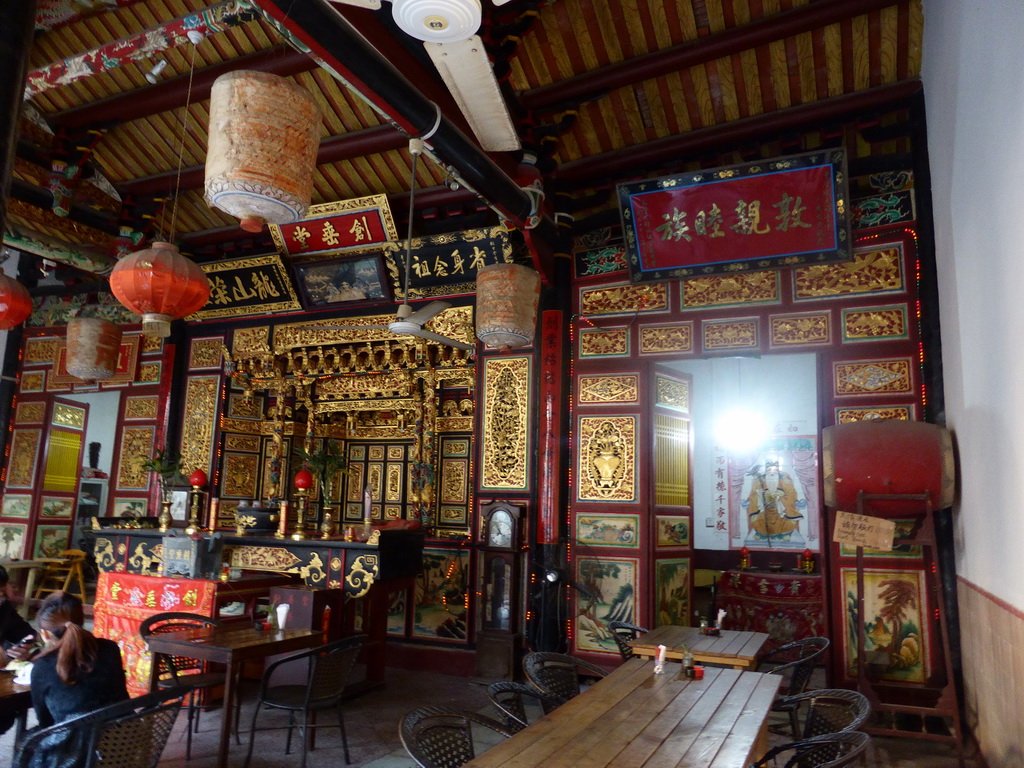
(887, 456)
(93, 348)
(15, 303)
(506, 305)
(161, 285)
(261, 156)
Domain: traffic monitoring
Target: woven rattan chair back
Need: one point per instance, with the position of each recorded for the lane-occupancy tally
(511, 701)
(558, 674)
(622, 633)
(830, 710)
(441, 737)
(796, 662)
(834, 750)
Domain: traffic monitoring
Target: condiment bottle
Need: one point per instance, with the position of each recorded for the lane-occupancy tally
(688, 664)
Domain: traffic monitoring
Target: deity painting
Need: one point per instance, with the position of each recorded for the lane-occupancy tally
(773, 496)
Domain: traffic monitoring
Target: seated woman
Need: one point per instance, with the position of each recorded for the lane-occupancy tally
(75, 672)
(17, 638)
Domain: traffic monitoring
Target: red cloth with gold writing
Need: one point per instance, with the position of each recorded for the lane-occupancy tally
(788, 606)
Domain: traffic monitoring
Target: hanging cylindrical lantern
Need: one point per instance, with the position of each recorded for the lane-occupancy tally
(506, 305)
(263, 141)
(93, 348)
(161, 285)
(15, 303)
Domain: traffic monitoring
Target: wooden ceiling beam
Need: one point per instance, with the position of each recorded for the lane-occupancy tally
(592, 84)
(627, 163)
(173, 93)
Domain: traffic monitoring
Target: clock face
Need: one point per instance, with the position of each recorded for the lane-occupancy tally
(499, 530)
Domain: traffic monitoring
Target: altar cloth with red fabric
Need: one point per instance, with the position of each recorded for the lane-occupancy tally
(788, 606)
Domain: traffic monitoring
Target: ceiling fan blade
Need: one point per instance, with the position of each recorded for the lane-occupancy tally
(344, 328)
(373, 5)
(467, 72)
(431, 336)
(423, 314)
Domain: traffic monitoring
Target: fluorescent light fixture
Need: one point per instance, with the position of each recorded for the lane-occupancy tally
(467, 72)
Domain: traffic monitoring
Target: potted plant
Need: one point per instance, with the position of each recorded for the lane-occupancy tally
(324, 463)
(166, 465)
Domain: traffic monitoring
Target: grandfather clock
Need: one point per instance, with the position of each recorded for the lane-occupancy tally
(498, 630)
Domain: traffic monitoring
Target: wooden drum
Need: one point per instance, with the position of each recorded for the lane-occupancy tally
(887, 456)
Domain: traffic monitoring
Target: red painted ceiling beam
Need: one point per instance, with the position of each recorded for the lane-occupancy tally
(174, 92)
(626, 163)
(371, 141)
(592, 84)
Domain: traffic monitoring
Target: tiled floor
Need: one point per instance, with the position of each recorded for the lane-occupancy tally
(372, 725)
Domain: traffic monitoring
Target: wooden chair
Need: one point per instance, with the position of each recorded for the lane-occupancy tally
(129, 733)
(795, 662)
(442, 737)
(622, 633)
(558, 674)
(329, 668)
(62, 573)
(834, 750)
(829, 710)
(182, 671)
(511, 699)
(705, 592)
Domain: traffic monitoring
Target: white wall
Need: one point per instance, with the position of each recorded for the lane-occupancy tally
(102, 425)
(974, 94)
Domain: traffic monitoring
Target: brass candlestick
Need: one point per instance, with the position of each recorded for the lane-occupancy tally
(193, 511)
(300, 516)
(327, 526)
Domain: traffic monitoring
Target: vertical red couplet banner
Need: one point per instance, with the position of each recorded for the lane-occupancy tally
(550, 425)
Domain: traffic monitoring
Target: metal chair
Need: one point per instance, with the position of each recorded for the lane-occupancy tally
(181, 670)
(829, 710)
(511, 698)
(834, 750)
(329, 668)
(558, 674)
(442, 737)
(622, 633)
(796, 661)
(128, 733)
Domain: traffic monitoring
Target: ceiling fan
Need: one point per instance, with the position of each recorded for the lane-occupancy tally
(407, 322)
(448, 31)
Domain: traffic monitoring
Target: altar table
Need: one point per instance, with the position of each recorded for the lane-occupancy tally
(788, 605)
(633, 718)
(731, 648)
(232, 645)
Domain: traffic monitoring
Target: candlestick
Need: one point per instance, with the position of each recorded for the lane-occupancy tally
(367, 499)
(282, 523)
(211, 523)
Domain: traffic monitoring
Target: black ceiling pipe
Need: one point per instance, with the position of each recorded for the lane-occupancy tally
(43, 198)
(332, 38)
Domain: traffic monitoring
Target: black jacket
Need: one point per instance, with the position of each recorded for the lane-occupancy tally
(54, 701)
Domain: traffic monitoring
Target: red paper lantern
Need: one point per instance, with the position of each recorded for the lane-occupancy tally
(161, 285)
(15, 303)
(198, 479)
(303, 479)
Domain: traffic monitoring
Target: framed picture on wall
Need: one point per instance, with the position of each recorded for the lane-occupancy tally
(350, 282)
(12, 540)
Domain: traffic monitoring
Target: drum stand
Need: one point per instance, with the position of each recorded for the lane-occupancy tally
(946, 705)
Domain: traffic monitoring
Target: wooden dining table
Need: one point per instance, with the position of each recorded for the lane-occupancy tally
(634, 717)
(733, 648)
(14, 700)
(232, 645)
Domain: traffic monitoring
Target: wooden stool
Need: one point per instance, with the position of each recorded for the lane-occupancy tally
(61, 574)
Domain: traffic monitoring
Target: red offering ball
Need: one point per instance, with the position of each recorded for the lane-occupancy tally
(198, 479)
(303, 479)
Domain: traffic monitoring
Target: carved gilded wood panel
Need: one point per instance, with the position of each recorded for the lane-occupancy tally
(505, 447)
(606, 458)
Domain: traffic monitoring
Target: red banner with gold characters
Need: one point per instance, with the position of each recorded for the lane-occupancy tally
(347, 225)
(790, 210)
(124, 601)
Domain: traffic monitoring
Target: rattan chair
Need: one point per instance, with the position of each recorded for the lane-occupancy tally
(622, 633)
(511, 700)
(795, 662)
(442, 737)
(834, 750)
(328, 670)
(181, 670)
(127, 734)
(829, 710)
(558, 674)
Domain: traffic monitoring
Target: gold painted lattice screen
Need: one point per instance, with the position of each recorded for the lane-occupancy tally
(671, 461)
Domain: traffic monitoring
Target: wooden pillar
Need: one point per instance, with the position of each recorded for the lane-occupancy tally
(16, 23)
